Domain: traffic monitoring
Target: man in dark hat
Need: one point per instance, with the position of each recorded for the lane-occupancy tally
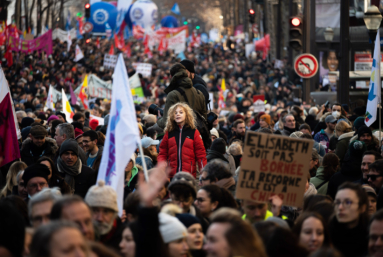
(197, 80)
(365, 135)
(37, 145)
(78, 176)
(36, 178)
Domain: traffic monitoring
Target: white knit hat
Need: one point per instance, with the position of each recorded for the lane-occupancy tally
(214, 132)
(171, 228)
(102, 196)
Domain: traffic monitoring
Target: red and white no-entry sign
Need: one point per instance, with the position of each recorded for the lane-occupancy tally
(306, 65)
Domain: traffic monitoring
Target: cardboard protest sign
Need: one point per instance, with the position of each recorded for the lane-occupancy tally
(110, 61)
(274, 165)
(259, 106)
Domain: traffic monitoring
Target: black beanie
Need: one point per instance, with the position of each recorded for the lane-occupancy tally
(26, 121)
(12, 226)
(36, 170)
(69, 145)
(189, 65)
(187, 219)
(219, 145)
(364, 129)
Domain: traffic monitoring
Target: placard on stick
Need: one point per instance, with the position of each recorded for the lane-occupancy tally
(274, 165)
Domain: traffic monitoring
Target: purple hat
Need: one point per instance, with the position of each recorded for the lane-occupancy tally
(52, 117)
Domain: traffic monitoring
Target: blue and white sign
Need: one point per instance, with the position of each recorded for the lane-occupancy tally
(102, 13)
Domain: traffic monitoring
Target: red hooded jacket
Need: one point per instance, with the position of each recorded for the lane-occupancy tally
(182, 149)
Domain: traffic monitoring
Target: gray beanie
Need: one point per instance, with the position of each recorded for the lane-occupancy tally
(171, 228)
(69, 145)
(101, 195)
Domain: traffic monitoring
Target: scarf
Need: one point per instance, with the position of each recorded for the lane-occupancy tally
(289, 129)
(69, 171)
(226, 182)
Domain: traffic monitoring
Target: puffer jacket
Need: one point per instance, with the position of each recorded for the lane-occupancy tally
(183, 148)
(27, 156)
(195, 98)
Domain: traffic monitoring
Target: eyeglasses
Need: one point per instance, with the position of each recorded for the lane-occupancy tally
(345, 203)
(36, 185)
(373, 177)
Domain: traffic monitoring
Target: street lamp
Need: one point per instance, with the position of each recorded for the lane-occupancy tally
(372, 19)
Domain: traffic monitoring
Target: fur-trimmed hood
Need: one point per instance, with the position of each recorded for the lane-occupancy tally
(346, 135)
(51, 144)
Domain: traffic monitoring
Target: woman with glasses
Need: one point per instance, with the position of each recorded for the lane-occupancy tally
(349, 227)
(211, 197)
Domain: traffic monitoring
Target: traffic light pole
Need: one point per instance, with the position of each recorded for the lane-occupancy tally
(309, 44)
(343, 89)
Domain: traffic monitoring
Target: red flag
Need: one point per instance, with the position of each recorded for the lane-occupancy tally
(8, 56)
(98, 43)
(119, 42)
(111, 51)
(9, 146)
(162, 46)
(127, 50)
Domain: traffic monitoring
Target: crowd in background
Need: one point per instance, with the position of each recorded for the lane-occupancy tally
(52, 204)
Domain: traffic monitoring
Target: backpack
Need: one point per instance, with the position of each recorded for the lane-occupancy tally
(201, 122)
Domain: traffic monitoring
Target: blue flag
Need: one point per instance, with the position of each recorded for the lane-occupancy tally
(176, 9)
(375, 86)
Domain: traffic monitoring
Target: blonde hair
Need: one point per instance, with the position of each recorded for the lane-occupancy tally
(189, 119)
(11, 180)
(343, 127)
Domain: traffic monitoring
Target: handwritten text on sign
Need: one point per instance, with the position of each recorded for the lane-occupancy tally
(274, 165)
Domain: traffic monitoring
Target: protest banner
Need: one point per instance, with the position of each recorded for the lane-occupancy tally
(97, 88)
(144, 68)
(62, 35)
(42, 43)
(110, 61)
(274, 165)
(177, 42)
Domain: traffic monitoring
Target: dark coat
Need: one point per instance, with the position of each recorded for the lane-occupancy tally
(196, 100)
(212, 154)
(199, 80)
(113, 238)
(185, 146)
(83, 181)
(350, 242)
(342, 145)
(27, 156)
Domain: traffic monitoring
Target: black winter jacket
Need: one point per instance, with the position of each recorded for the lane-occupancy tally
(83, 181)
(26, 152)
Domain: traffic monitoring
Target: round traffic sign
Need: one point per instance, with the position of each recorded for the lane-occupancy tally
(306, 65)
(87, 27)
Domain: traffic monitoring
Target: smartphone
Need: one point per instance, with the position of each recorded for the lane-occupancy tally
(327, 104)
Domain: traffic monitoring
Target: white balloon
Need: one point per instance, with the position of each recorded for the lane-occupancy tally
(144, 13)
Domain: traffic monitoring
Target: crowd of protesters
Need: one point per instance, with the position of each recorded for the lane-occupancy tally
(52, 204)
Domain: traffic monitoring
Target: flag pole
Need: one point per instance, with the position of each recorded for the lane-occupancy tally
(380, 123)
(143, 160)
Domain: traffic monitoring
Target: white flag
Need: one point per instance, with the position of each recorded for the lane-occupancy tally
(49, 103)
(66, 107)
(69, 40)
(374, 93)
(79, 54)
(122, 134)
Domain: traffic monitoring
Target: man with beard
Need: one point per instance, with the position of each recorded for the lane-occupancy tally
(323, 136)
(239, 130)
(78, 176)
(102, 200)
(93, 151)
(150, 152)
(37, 145)
(365, 135)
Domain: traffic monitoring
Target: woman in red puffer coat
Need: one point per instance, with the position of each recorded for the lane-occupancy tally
(182, 146)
